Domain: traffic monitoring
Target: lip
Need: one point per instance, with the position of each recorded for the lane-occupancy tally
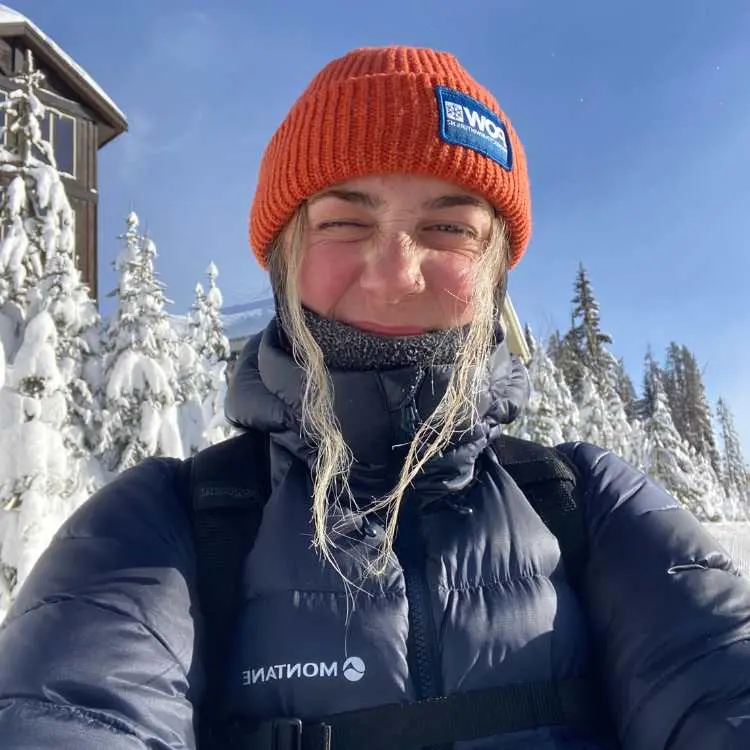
(377, 328)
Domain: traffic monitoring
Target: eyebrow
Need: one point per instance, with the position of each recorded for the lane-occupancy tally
(373, 201)
(350, 196)
(451, 201)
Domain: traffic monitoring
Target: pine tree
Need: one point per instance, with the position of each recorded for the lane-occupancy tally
(554, 343)
(529, 337)
(594, 423)
(551, 415)
(216, 352)
(139, 418)
(204, 356)
(672, 462)
(686, 393)
(583, 349)
(193, 380)
(625, 390)
(591, 340)
(735, 471)
(569, 360)
(215, 343)
(50, 322)
(652, 375)
(36, 475)
(33, 209)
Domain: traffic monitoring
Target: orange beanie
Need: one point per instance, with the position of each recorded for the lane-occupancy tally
(388, 110)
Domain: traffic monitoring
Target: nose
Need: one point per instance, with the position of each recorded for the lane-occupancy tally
(393, 269)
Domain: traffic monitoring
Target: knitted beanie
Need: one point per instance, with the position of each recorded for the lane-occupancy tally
(392, 110)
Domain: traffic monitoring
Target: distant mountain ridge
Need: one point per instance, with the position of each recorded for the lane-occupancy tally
(243, 320)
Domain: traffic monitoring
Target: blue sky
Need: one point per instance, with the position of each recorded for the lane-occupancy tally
(635, 118)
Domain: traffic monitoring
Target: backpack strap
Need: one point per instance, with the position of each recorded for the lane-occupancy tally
(227, 503)
(228, 485)
(459, 717)
(549, 480)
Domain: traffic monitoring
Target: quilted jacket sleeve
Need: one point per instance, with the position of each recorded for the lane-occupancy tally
(97, 651)
(671, 614)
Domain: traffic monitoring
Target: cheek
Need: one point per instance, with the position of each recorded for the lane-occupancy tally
(324, 277)
(452, 280)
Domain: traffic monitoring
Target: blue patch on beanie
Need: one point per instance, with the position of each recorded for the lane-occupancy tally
(464, 121)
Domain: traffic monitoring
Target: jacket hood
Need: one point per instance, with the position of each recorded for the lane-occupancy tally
(379, 411)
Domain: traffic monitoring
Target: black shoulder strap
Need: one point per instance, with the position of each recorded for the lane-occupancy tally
(550, 482)
(458, 717)
(228, 485)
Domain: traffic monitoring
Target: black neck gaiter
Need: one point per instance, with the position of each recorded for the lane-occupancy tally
(347, 348)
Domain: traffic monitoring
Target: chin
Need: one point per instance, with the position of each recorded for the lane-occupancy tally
(394, 331)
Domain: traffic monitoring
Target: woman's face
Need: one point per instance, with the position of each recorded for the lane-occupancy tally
(393, 254)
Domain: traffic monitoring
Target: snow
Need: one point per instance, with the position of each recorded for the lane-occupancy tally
(10, 16)
(133, 374)
(36, 357)
(82, 399)
(735, 538)
(242, 321)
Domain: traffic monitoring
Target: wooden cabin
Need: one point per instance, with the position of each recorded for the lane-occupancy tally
(81, 118)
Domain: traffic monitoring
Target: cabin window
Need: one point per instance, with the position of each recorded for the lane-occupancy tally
(64, 142)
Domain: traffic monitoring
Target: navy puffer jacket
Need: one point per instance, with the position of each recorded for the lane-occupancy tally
(100, 649)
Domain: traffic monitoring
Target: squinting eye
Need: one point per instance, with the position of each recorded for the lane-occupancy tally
(453, 229)
(335, 224)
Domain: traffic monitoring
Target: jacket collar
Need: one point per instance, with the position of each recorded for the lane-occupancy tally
(378, 411)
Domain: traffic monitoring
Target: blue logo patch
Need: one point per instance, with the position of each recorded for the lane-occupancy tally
(464, 121)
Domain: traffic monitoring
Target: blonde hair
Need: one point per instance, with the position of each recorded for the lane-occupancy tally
(456, 410)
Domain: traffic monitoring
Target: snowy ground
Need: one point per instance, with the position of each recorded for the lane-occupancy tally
(735, 538)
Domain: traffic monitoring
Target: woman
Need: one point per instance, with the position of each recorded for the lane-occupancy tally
(397, 560)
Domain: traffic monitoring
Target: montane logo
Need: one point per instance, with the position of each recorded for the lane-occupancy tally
(353, 670)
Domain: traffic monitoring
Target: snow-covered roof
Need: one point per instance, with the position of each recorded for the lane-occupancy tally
(13, 23)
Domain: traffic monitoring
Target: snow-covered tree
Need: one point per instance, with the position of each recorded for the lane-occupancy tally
(594, 421)
(139, 418)
(707, 490)
(216, 351)
(37, 478)
(62, 293)
(33, 208)
(551, 415)
(567, 357)
(582, 352)
(192, 384)
(214, 344)
(202, 371)
(686, 393)
(47, 325)
(672, 463)
(652, 373)
(735, 475)
(586, 342)
(217, 427)
(625, 390)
